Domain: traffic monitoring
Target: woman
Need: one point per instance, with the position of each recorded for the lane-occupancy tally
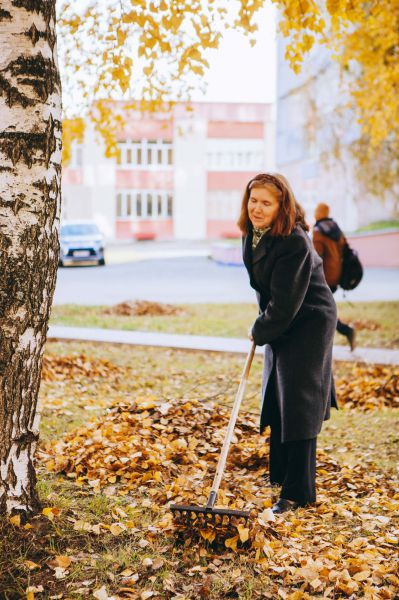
(296, 322)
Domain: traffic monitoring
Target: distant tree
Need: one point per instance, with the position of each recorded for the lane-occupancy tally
(363, 38)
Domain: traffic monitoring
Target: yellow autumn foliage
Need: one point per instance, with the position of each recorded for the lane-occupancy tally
(364, 39)
(155, 50)
(72, 130)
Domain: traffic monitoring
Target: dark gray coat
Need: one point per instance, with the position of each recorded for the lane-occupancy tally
(297, 322)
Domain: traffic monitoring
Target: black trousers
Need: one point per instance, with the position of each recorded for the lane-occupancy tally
(342, 328)
(292, 464)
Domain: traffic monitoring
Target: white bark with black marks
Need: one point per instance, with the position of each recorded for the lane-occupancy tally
(30, 170)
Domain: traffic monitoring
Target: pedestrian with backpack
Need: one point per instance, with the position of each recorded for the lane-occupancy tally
(330, 243)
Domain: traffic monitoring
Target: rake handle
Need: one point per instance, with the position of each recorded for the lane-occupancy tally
(230, 429)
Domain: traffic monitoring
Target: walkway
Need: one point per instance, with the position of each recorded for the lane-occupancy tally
(202, 342)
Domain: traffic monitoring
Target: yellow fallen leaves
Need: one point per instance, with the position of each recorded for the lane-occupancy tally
(88, 527)
(364, 387)
(32, 590)
(15, 520)
(51, 512)
(58, 368)
(159, 452)
(143, 308)
(29, 564)
(116, 529)
(208, 534)
(231, 542)
(243, 532)
(369, 387)
(62, 561)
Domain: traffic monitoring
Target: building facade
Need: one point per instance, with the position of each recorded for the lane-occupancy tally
(311, 124)
(179, 176)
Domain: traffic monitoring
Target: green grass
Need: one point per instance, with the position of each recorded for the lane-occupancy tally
(357, 436)
(233, 320)
(378, 225)
(230, 320)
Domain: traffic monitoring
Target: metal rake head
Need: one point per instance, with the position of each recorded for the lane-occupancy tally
(192, 514)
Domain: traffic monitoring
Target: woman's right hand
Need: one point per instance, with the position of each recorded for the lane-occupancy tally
(250, 334)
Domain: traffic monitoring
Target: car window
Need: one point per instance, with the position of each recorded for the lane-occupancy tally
(80, 229)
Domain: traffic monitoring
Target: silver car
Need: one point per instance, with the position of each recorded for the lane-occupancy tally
(81, 241)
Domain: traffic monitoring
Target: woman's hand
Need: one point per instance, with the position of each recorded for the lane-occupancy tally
(250, 334)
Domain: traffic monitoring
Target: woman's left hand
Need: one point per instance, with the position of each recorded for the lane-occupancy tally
(250, 334)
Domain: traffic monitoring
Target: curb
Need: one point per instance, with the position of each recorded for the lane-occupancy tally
(204, 343)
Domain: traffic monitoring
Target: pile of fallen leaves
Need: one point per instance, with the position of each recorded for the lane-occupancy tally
(150, 442)
(56, 368)
(141, 308)
(369, 387)
(157, 453)
(365, 387)
(366, 324)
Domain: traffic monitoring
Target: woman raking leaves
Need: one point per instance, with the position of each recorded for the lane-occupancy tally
(296, 324)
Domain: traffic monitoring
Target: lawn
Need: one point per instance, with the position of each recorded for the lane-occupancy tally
(106, 531)
(380, 225)
(376, 322)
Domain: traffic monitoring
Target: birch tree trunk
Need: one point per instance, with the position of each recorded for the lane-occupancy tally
(30, 145)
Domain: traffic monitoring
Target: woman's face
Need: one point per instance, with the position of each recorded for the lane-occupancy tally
(263, 207)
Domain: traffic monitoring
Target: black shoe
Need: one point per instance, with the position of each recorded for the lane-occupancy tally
(284, 505)
(352, 339)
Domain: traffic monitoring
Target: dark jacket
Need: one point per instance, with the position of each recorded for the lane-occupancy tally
(329, 242)
(297, 322)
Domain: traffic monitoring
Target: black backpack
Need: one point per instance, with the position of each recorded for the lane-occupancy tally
(352, 270)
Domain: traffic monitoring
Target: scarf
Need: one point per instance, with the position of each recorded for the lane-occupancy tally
(257, 235)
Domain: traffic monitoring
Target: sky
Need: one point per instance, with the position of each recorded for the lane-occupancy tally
(239, 72)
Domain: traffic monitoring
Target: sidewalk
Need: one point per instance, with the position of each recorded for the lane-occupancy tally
(121, 253)
(207, 343)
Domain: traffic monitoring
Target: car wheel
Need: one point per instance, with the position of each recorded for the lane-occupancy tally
(60, 263)
(101, 262)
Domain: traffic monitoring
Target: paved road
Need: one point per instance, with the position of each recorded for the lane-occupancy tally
(186, 279)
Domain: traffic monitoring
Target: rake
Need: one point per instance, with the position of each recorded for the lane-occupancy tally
(209, 512)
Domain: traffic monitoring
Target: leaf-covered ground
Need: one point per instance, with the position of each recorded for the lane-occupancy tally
(127, 430)
(376, 322)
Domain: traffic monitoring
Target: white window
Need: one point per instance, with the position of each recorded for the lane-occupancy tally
(145, 154)
(223, 205)
(235, 154)
(144, 204)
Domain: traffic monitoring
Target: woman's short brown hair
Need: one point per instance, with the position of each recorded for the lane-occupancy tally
(290, 212)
